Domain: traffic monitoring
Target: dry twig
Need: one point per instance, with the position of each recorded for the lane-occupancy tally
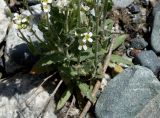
(98, 83)
(73, 101)
(47, 78)
(89, 104)
(49, 99)
(108, 57)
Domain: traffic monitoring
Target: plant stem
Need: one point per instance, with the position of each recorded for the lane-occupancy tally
(79, 17)
(96, 31)
(78, 24)
(66, 21)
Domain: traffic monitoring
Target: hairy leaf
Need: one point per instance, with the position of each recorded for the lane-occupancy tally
(86, 91)
(66, 95)
(119, 59)
(119, 41)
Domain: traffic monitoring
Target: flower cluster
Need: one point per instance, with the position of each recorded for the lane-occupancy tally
(21, 22)
(61, 3)
(87, 37)
(45, 5)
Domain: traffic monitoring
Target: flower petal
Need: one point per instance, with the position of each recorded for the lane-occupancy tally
(24, 20)
(46, 8)
(90, 40)
(85, 34)
(49, 1)
(84, 47)
(44, 3)
(79, 47)
(90, 34)
(84, 40)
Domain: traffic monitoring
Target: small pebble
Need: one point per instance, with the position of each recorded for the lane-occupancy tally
(148, 59)
(145, 2)
(134, 9)
(139, 43)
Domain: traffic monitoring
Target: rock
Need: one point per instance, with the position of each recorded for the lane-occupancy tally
(134, 8)
(139, 43)
(137, 18)
(33, 2)
(17, 53)
(36, 9)
(156, 8)
(121, 3)
(128, 94)
(155, 36)
(21, 98)
(148, 59)
(145, 2)
(151, 110)
(4, 21)
(37, 13)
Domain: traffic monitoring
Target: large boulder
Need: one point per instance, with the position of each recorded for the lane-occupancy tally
(17, 53)
(4, 21)
(21, 97)
(129, 94)
(121, 3)
(155, 37)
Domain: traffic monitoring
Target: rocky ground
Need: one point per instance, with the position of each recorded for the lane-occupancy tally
(134, 93)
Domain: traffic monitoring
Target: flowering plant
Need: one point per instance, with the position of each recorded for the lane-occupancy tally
(77, 35)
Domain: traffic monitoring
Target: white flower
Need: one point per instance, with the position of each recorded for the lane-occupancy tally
(17, 26)
(17, 16)
(84, 46)
(62, 3)
(87, 37)
(85, 8)
(49, 1)
(46, 8)
(21, 21)
(24, 20)
(45, 2)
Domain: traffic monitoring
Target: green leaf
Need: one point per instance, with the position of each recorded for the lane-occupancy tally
(119, 41)
(119, 59)
(51, 59)
(86, 55)
(109, 23)
(47, 61)
(65, 96)
(86, 91)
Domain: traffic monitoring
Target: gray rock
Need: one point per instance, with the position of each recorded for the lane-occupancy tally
(148, 59)
(134, 8)
(145, 2)
(36, 9)
(139, 43)
(128, 93)
(33, 2)
(20, 97)
(155, 36)
(152, 109)
(156, 8)
(121, 3)
(17, 53)
(137, 18)
(4, 21)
